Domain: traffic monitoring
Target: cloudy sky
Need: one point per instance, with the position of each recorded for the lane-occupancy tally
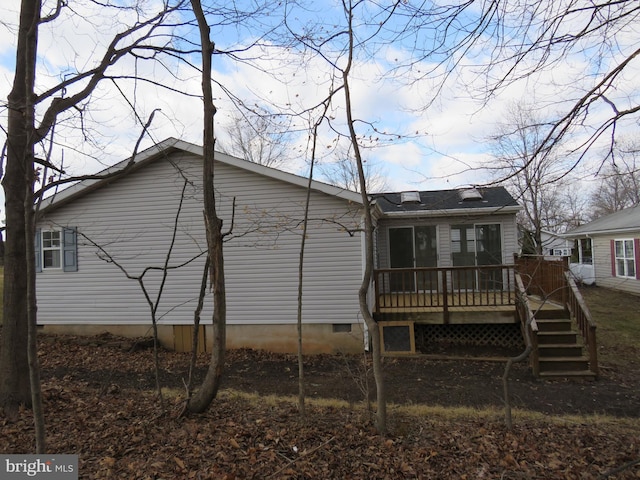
(441, 146)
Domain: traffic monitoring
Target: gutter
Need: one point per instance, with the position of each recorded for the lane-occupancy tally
(590, 233)
(452, 211)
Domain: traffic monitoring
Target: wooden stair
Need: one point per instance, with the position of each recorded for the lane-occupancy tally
(561, 352)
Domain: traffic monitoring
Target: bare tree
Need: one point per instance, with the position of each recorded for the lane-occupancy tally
(340, 54)
(363, 292)
(575, 206)
(261, 138)
(164, 269)
(203, 397)
(513, 40)
(619, 185)
(535, 181)
(343, 172)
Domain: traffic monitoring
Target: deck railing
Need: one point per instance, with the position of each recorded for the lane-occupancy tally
(586, 325)
(444, 287)
(528, 324)
(543, 278)
(551, 280)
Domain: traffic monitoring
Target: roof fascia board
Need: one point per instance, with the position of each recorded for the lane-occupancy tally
(608, 231)
(453, 211)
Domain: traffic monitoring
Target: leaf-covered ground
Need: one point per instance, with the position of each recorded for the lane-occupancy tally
(100, 404)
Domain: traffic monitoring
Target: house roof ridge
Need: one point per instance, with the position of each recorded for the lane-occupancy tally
(171, 144)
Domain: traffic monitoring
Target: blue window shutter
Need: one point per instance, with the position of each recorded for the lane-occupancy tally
(69, 250)
(38, 249)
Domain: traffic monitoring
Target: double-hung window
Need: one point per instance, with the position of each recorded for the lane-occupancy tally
(56, 249)
(51, 249)
(625, 258)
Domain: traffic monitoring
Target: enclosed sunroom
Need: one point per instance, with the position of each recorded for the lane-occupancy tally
(444, 266)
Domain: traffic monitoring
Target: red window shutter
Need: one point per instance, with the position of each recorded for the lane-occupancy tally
(613, 258)
(636, 251)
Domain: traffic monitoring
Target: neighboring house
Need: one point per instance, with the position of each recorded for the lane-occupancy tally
(554, 245)
(581, 262)
(87, 231)
(610, 246)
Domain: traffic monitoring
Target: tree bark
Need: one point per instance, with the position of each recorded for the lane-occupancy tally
(14, 362)
(203, 397)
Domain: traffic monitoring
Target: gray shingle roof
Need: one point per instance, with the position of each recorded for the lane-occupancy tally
(617, 222)
(438, 200)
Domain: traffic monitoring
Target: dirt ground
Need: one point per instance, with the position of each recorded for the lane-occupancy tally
(456, 381)
(100, 405)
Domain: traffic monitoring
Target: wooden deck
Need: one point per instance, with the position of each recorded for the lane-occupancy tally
(490, 305)
(461, 308)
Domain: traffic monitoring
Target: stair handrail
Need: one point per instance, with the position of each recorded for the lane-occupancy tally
(528, 323)
(580, 311)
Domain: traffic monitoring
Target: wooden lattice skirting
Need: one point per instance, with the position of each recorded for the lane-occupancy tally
(484, 335)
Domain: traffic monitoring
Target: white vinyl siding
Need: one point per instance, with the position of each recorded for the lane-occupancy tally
(130, 223)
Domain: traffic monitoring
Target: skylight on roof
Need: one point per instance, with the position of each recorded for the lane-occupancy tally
(470, 194)
(410, 197)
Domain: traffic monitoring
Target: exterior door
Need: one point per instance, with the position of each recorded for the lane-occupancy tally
(463, 254)
(425, 243)
(411, 247)
(489, 252)
(476, 245)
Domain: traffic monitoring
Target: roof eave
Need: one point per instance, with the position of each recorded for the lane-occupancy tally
(608, 231)
(453, 211)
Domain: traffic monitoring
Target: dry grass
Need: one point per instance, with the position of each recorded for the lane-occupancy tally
(617, 315)
(444, 414)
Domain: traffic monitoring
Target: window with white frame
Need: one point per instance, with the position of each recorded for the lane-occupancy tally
(625, 260)
(51, 249)
(56, 249)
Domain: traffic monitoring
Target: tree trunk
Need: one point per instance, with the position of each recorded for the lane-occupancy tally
(14, 363)
(209, 388)
(363, 292)
(372, 325)
(32, 321)
(303, 242)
